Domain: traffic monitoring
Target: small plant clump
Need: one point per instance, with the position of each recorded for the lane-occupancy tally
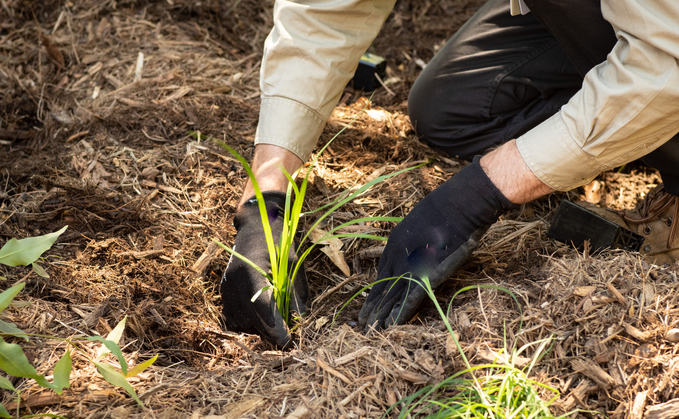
(494, 391)
(281, 275)
(13, 360)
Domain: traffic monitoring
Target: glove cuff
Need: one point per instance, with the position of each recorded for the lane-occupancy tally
(274, 202)
(470, 194)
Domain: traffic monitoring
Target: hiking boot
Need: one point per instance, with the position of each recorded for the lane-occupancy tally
(655, 218)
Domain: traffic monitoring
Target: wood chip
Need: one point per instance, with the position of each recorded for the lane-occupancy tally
(53, 51)
(209, 254)
(142, 255)
(590, 369)
(621, 299)
(102, 309)
(243, 407)
(578, 395)
(354, 393)
(352, 356)
(637, 411)
(329, 369)
(667, 410)
(584, 291)
(636, 333)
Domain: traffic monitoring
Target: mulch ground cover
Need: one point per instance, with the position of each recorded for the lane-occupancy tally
(107, 110)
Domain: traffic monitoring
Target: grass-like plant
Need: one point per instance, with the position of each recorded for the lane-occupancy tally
(281, 276)
(498, 390)
(13, 360)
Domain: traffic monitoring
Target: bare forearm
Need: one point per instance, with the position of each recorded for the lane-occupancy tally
(267, 165)
(507, 170)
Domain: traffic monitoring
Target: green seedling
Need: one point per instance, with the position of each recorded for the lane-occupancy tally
(13, 360)
(495, 391)
(281, 275)
(498, 390)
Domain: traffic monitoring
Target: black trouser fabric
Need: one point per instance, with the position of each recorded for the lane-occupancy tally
(501, 75)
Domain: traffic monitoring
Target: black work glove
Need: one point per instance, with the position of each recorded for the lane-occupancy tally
(432, 241)
(241, 282)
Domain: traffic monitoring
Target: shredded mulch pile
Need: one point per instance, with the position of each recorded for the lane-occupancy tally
(108, 109)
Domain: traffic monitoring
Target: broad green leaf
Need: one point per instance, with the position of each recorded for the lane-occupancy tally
(117, 379)
(138, 369)
(8, 295)
(4, 413)
(6, 384)
(113, 336)
(14, 362)
(113, 348)
(62, 372)
(26, 251)
(12, 329)
(117, 332)
(39, 270)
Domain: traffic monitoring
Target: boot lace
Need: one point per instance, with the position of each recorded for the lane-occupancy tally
(652, 206)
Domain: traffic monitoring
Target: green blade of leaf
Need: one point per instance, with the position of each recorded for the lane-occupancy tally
(8, 295)
(138, 369)
(115, 378)
(243, 258)
(3, 412)
(117, 332)
(111, 347)
(39, 270)
(26, 251)
(14, 362)
(11, 329)
(62, 372)
(6, 384)
(339, 202)
(258, 293)
(261, 205)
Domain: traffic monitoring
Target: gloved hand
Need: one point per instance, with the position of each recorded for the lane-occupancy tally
(241, 282)
(432, 241)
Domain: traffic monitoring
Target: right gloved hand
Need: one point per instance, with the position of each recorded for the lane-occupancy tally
(434, 240)
(241, 282)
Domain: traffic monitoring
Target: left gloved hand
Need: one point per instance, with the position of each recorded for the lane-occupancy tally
(432, 242)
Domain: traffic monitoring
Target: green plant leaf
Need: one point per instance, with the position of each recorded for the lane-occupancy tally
(14, 362)
(138, 369)
(62, 372)
(113, 337)
(11, 329)
(3, 412)
(6, 384)
(258, 293)
(115, 378)
(110, 347)
(8, 295)
(26, 251)
(39, 270)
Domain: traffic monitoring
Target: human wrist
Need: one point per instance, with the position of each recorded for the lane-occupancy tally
(507, 170)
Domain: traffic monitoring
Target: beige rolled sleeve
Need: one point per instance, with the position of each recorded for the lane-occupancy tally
(628, 105)
(310, 55)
